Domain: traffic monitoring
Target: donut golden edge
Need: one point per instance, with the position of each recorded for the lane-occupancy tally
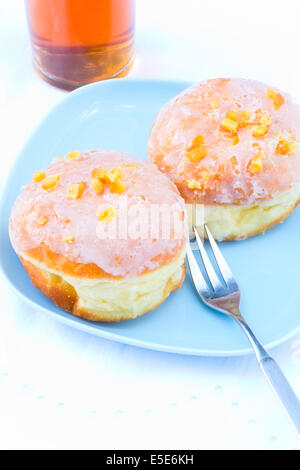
(107, 299)
(233, 222)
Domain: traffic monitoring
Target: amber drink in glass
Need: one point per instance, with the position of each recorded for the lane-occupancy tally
(76, 42)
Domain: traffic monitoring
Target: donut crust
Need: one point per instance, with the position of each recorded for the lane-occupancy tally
(64, 295)
(237, 222)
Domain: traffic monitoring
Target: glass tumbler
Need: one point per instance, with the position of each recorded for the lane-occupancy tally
(76, 42)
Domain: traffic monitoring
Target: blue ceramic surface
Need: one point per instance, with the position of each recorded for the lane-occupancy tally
(118, 114)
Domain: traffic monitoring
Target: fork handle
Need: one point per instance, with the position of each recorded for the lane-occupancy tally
(274, 375)
(283, 390)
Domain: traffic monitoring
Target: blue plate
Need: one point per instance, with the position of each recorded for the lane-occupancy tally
(118, 114)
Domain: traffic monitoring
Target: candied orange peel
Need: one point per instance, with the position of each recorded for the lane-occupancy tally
(117, 187)
(97, 185)
(243, 118)
(198, 140)
(292, 147)
(194, 184)
(74, 155)
(106, 215)
(68, 239)
(286, 147)
(198, 183)
(50, 182)
(100, 173)
(265, 119)
(235, 120)
(196, 154)
(235, 140)
(262, 125)
(259, 130)
(75, 190)
(116, 174)
(38, 176)
(230, 125)
(196, 151)
(233, 115)
(42, 220)
(111, 178)
(256, 163)
(278, 99)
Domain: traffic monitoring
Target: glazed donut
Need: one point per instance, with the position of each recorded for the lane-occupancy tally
(232, 148)
(82, 231)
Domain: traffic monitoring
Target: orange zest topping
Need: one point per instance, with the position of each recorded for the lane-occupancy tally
(238, 120)
(97, 185)
(235, 120)
(106, 215)
(262, 126)
(194, 184)
(235, 140)
(292, 147)
(107, 176)
(233, 115)
(112, 178)
(74, 155)
(257, 163)
(117, 187)
(100, 174)
(116, 183)
(196, 154)
(75, 190)
(38, 176)
(198, 140)
(285, 147)
(68, 239)
(278, 99)
(50, 182)
(259, 131)
(229, 125)
(42, 220)
(271, 93)
(115, 175)
(243, 118)
(198, 184)
(265, 119)
(196, 151)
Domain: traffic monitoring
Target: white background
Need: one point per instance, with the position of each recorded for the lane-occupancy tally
(61, 388)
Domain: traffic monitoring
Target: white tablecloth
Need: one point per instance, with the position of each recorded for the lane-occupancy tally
(60, 388)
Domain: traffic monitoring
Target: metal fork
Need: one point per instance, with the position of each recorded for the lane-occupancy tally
(226, 299)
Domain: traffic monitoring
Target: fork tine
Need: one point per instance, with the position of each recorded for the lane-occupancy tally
(215, 282)
(221, 262)
(198, 279)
